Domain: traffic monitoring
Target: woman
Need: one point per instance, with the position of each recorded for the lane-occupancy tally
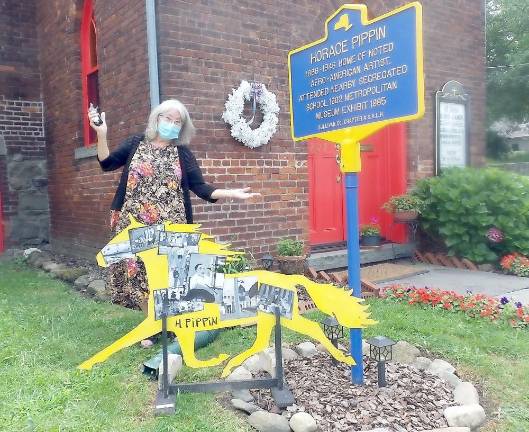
(159, 171)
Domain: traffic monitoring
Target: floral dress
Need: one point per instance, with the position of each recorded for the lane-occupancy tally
(154, 194)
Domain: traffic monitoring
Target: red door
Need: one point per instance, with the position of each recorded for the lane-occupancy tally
(383, 175)
(326, 204)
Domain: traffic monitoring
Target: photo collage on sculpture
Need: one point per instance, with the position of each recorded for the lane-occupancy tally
(195, 278)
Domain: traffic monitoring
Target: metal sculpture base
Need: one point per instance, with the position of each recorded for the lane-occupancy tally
(165, 403)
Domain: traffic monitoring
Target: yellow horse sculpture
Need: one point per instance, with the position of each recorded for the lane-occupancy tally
(331, 300)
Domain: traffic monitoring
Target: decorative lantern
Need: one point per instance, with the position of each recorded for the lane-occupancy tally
(334, 331)
(268, 261)
(381, 350)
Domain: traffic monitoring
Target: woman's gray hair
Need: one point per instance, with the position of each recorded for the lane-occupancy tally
(186, 133)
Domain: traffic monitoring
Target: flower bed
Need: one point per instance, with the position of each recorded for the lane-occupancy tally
(515, 264)
(473, 305)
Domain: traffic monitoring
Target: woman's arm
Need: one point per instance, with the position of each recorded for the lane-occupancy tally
(241, 194)
(204, 190)
(101, 131)
(107, 160)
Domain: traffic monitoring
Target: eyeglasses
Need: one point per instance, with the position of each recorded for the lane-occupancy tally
(170, 120)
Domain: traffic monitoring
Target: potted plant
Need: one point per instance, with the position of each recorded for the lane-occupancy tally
(370, 233)
(405, 207)
(290, 257)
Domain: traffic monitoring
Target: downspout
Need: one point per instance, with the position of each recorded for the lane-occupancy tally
(152, 52)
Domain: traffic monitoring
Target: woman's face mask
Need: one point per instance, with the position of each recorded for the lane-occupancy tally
(167, 129)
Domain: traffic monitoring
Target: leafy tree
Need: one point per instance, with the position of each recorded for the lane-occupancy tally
(508, 60)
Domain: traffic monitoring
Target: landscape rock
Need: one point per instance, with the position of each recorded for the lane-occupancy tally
(30, 251)
(243, 395)
(174, 365)
(438, 366)
(471, 416)
(365, 348)
(239, 373)
(146, 343)
(97, 288)
(267, 359)
(466, 394)
(486, 267)
(81, 282)
(422, 363)
(379, 430)
(37, 258)
(306, 349)
(267, 422)
(56, 271)
(289, 354)
(303, 422)
(450, 429)
(404, 352)
(244, 406)
(450, 378)
(49, 266)
(69, 274)
(255, 364)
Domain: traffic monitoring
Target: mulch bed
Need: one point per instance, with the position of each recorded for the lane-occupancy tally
(413, 400)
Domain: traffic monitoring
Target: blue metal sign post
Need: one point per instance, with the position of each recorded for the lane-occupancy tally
(362, 76)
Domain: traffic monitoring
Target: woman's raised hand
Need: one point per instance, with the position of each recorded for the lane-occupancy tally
(93, 117)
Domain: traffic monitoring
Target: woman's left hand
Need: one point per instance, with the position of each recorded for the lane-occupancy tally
(243, 194)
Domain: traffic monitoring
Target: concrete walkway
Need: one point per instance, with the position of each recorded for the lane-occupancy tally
(461, 281)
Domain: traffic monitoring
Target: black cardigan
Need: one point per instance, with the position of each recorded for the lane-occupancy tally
(191, 174)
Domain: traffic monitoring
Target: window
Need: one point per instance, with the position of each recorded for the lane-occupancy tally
(89, 68)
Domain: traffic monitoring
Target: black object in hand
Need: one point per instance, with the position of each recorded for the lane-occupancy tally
(98, 121)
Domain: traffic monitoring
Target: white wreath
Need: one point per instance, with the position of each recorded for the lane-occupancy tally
(240, 128)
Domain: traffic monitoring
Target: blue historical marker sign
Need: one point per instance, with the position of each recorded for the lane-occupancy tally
(362, 72)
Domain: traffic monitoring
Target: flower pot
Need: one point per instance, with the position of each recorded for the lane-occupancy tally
(291, 264)
(405, 216)
(370, 240)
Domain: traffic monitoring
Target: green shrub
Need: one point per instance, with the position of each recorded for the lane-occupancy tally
(461, 205)
(497, 146)
(235, 264)
(289, 247)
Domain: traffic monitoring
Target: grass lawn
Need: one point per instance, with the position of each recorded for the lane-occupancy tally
(47, 330)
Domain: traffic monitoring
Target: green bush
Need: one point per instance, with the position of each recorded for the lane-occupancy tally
(235, 264)
(289, 247)
(462, 204)
(497, 146)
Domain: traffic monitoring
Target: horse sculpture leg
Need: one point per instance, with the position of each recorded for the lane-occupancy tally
(145, 329)
(265, 324)
(313, 330)
(186, 339)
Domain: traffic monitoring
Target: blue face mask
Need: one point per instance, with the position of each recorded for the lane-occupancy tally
(168, 131)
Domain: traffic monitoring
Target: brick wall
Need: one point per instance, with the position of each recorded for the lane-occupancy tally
(80, 194)
(454, 47)
(22, 142)
(206, 51)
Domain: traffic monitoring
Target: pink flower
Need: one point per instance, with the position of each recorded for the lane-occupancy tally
(144, 169)
(132, 267)
(495, 235)
(149, 213)
(177, 169)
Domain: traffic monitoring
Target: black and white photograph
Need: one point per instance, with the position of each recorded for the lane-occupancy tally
(271, 296)
(239, 297)
(175, 306)
(144, 238)
(170, 240)
(201, 278)
(115, 252)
